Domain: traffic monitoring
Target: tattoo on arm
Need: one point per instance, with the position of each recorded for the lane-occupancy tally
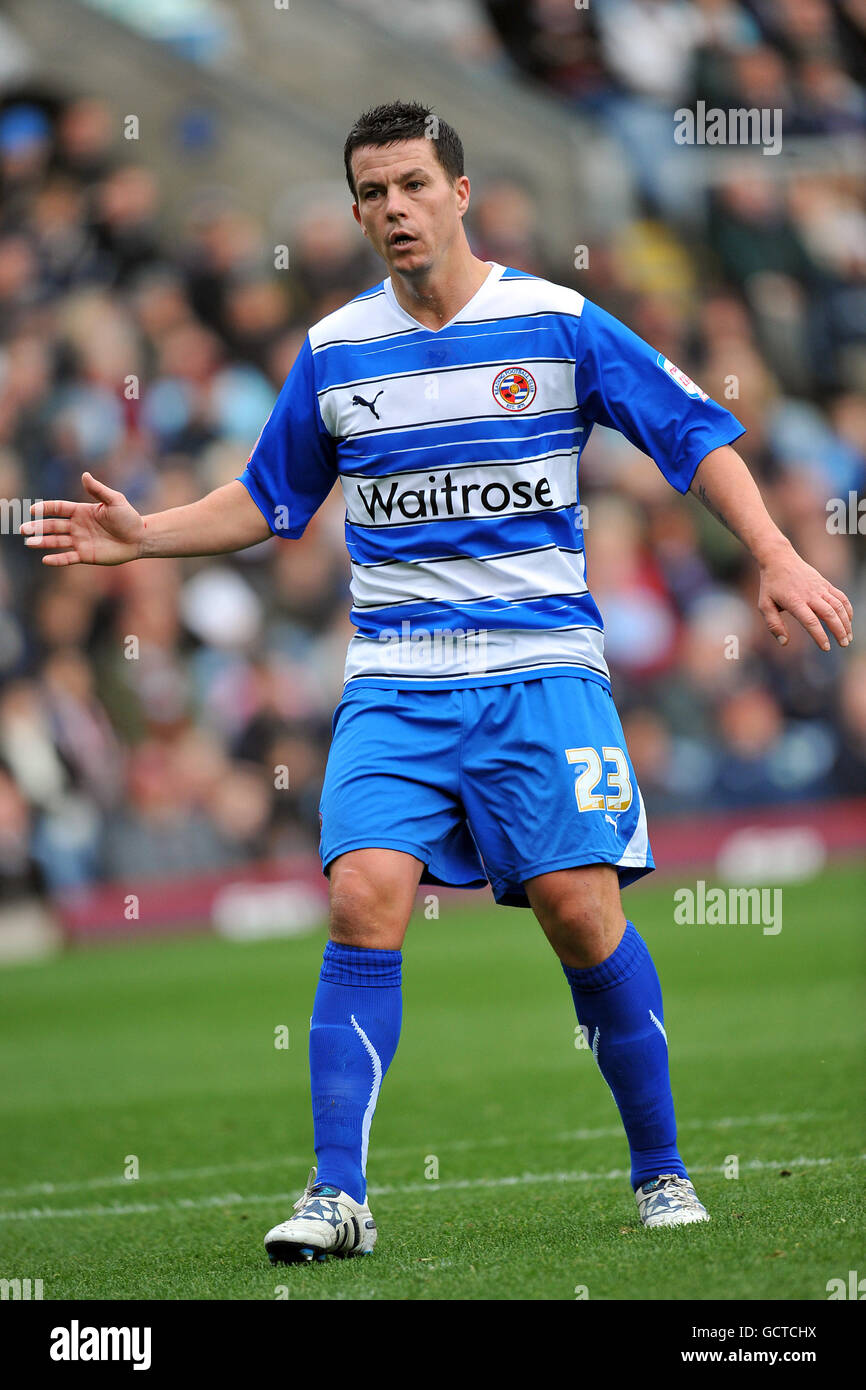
(702, 494)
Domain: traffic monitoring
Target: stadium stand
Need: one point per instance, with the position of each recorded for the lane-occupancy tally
(145, 331)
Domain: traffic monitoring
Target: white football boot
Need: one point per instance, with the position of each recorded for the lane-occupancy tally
(669, 1200)
(328, 1222)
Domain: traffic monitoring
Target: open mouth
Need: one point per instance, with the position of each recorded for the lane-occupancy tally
(401, 240)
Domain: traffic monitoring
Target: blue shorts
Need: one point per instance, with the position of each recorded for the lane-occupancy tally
(491, 783)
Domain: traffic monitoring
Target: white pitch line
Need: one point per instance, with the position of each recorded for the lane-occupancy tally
(233, 1199)
(50, 1189)
(251, 1165)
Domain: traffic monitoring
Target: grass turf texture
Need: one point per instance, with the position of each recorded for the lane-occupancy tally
(166, 1051)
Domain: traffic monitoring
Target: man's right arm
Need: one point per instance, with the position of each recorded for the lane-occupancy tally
(109, 531)
(226, 519)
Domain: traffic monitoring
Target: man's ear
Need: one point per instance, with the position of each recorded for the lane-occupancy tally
(357, 216)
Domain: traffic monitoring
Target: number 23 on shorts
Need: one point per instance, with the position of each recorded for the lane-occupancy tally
(618, 794)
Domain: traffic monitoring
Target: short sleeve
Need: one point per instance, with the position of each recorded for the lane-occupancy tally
(624, 383)
(293, 465)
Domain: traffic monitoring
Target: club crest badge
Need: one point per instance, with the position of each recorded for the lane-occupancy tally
(514, 388)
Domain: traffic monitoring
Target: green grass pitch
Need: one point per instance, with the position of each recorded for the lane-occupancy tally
(166, 1052)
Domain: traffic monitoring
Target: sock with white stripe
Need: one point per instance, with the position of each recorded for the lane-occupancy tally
(619, 1004)
(353, 1037)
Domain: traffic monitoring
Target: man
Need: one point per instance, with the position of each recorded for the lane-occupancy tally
(477, 738)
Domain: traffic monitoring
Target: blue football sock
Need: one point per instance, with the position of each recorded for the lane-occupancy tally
(353, 1037)
(619, 1003)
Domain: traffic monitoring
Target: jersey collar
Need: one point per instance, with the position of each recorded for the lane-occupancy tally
(496, 273)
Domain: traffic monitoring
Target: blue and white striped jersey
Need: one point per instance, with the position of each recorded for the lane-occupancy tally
(457, 450)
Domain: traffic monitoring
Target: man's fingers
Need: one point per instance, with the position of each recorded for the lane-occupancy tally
(774, 621)
(45, 526)
(48, 542)
(844, 599)
(811, 615)
(810, 621)
(57, 507)
(838, 606)
(99, 490)
(63, 557)
(825, 610)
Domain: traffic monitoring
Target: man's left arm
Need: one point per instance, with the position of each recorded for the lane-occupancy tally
(724, 484)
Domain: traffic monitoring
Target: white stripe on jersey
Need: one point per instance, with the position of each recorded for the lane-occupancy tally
(421, 400)
(414, 655)
(373, 315)
(466, 579)
(489, 488)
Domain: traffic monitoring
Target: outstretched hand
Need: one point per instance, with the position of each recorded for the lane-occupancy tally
(790, 585)
(107, 531)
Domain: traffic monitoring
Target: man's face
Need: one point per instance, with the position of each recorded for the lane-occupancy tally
(406, 204)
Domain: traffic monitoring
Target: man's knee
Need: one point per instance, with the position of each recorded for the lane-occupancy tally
(580, 912)
(371, 898)
(359, 912)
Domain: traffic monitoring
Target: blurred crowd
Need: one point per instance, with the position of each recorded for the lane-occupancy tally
(171, 717)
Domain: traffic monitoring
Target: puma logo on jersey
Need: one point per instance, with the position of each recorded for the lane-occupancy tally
(371, 405)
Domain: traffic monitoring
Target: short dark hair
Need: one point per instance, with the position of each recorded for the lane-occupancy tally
(405, 120)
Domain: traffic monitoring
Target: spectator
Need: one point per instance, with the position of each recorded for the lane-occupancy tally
(146, 712)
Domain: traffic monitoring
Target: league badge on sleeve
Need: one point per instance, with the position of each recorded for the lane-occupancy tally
(690, 387)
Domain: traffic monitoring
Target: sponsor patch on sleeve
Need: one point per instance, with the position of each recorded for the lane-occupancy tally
(690, 387)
